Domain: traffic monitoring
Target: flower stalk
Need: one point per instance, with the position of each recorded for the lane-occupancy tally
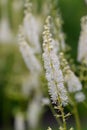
(54, 74)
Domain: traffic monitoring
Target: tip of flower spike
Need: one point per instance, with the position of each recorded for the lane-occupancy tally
(48, 19)
(47, 36)
(47, 25)
(64, 63)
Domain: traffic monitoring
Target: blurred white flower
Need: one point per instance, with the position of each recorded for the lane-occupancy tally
(5, 31)
(32, 28)
(6, 34)
(45, 101)
(27, 52)
(53, 72)
(86, 1)
(82, 47)
(30, 83)
(19, 123)
(57, 21)
(72, 81)
(33, 112)
(80, 97)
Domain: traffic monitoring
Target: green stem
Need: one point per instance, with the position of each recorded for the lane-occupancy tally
(63, 118)
(85, 104)
(77, 118)
(54, 113)
(62, 113)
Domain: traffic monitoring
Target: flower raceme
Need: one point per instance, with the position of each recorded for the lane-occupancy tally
(72, 81)
(31, 27)
(54, 74)
(31, 61)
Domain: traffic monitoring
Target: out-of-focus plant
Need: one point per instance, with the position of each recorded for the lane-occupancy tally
(29, 43)
(6, 34)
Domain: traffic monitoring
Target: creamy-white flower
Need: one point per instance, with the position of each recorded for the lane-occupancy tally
(52, 66)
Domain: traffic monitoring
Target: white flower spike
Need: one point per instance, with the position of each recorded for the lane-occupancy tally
(82, 47)
(31, 61)
(52, 66)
